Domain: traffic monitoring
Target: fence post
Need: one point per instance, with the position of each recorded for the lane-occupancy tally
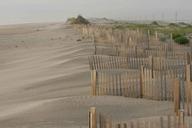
(135, 48)
(188, 58)
(181, 119)
(141, 81)
(169, 121)
(131, 124)
(171, 43)
(118, 125)
(130, 41)
(100, 121)
(94, 43)
(92, 118)
(151, 64)
(161, 122)
(156, 35)
(148, 36)
(124, 125)
(188, 88)
(109, 123)
(94, 82)
(188, 72)
(112, 35)
(176, 96)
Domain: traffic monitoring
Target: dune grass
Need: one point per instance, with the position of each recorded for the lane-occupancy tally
(176, 28)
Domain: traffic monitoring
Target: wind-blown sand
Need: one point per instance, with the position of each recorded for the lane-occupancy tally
(45, 80)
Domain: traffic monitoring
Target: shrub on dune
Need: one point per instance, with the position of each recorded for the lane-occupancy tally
(182, 40)
(79, 20)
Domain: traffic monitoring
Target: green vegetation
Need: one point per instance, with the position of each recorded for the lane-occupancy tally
(71, 20)
(181, 40)
(177, 35)
(79, 20)
(180, 30)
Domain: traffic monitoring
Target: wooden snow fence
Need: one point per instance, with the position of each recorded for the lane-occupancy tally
(115, 37)
(158, 83)
(138, 51)
(150, 83)
(131, 43)
(99, 62)
(124, 36)
(116, 83)
(102, 120)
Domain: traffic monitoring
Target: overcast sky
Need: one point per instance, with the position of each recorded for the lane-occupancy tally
(22, 11)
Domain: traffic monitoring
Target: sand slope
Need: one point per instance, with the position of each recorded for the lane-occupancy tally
(45, 80)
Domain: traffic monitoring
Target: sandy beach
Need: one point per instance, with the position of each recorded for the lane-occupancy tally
(45, 80)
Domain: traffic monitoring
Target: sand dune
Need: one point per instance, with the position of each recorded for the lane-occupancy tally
(45, 80)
